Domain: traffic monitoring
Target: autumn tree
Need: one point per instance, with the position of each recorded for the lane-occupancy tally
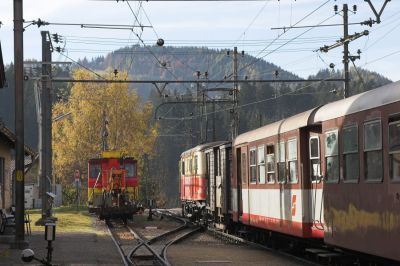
(78, 137)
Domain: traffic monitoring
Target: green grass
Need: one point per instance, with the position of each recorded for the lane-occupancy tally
(70, 220)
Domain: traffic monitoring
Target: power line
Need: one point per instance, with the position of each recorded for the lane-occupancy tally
(265, 100)
(275, 39)
(251, 23)
(76, 62)
(41, 23)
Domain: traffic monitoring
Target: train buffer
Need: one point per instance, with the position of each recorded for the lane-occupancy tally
(325, 254)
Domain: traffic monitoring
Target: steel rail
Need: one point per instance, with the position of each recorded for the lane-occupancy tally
(181, 237)
(253, 244)
(143, 243)
(124, 259)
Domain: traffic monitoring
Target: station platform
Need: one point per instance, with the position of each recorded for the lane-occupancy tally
(69, 249)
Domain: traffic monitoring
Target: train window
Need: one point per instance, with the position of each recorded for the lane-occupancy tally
(95, 170)
(130, 169)
(244, 168)
(270, 164)
(331, 155)
(351, 158)
(190, 166)
(195, 163)
(394, 150)
(261, 164)
(218, 160)
(253, 166)
(292, 160)
(373, 151)
(183, 167)
(315, 173)
(281, 162)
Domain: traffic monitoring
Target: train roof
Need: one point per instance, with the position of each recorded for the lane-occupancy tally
(367, 100)
(284, 125)
(202, 147)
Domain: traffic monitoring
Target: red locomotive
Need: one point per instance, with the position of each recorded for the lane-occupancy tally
(331, 173)
(113, 185)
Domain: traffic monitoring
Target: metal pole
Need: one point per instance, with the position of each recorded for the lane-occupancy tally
(235, 123)
(214, 117)
(346, 50)
(200, 107)
(19, 123)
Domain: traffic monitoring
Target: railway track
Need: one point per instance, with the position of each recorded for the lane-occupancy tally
(238, 240)
(137, 250)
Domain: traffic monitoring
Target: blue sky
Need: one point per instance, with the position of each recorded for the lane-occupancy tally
(222, 24)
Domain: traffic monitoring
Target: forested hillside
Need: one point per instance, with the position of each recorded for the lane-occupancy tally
(259, 103)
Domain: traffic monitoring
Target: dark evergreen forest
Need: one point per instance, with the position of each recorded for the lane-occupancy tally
(259, 104)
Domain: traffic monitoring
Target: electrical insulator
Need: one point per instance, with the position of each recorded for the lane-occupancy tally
(160, 42)
(276, 73)
(335, 8)
(115, 72)
(355, 8)
(206, 74)
(242, 53)
(227, 53)
(55, 37)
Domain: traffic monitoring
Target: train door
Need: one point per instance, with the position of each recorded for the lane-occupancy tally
(315, 175)
(244, 192)
(208, 175)
(239, 182)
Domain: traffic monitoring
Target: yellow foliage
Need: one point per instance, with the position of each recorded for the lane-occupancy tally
(77, 138)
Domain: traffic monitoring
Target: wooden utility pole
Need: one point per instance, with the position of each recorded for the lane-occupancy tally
(45, 149)
(346, 50)
(19, 124)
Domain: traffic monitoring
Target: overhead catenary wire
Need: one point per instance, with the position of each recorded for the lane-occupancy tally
(259, 101)
(81, 65)
(252, 22)
(275, 39)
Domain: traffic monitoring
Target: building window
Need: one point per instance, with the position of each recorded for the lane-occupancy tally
(350, 153)
(281, 162)
(261, 164)
(331, 155)
(373, 151)
(394, 150)
(315, 162)
(270, 164)
(292, 160)
(253, 166)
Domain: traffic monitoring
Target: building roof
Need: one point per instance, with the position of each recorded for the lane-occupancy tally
(10, 136)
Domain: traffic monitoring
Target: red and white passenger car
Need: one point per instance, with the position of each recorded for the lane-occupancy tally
(330, 173)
